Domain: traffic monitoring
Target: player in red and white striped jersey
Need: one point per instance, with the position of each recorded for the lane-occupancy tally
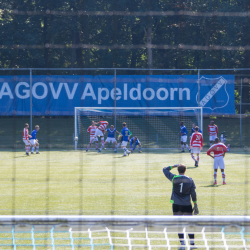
(213, 132)
(91, 130)
(219, 150)
(100, 131)
(103, 125)
(196, 144)
(26, 137)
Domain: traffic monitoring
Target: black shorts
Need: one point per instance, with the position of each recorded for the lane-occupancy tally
(182, 209)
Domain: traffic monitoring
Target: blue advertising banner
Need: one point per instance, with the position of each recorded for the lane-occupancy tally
(58, 95)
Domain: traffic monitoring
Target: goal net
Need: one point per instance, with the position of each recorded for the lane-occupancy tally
(155, 127)
(123, 232)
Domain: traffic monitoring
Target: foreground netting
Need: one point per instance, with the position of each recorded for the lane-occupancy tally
(155, 127)
(123, 232)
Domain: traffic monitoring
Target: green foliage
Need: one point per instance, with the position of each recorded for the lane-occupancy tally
(109, 30)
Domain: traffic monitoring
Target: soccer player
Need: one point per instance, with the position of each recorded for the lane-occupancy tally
(111, 138)
(125, 138)
(33, 141)
(193, 130)
(100, 131)
(26, 137)
(219, 150)
(120, 138)
(183, 134)
(137, 142)
(196, 144)
(183, 188)
(91, 130)
(212, 131)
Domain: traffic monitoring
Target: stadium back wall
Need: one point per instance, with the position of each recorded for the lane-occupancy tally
(58, 95)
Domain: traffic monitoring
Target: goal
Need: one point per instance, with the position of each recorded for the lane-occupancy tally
(155, 127)
(123, 232)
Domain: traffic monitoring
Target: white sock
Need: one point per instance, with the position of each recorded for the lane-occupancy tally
(37, 149)
(187, 146)
(182, 146)
(32, 150)
(125, 150)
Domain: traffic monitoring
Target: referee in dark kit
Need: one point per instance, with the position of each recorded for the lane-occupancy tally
(183, 189)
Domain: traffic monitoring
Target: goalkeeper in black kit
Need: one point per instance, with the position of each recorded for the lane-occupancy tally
(183, 189)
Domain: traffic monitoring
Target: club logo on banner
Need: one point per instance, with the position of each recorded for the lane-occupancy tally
(213, 93)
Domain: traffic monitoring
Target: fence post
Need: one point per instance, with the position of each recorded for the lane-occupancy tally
(240, 112)
(31, 99)
(115, 94)
(199, 97)
(76, 134)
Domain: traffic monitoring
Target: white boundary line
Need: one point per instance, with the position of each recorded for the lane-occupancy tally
(61, 219)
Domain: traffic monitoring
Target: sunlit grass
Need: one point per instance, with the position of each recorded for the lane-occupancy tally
(76, 182)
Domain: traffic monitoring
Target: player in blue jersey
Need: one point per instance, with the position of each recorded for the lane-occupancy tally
(120, 138)
(111, 138)
(135, 141)
(33, 140)
(193, 129)
(183, 134)
(125, 138)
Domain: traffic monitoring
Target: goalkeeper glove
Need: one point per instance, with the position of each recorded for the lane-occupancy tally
(195, 209)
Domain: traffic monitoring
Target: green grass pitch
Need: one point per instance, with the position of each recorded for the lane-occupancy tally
(67, 182)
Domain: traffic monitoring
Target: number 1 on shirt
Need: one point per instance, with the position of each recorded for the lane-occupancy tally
(181, 187)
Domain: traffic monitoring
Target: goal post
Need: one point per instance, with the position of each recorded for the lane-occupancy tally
(156, 127)
(123, 232)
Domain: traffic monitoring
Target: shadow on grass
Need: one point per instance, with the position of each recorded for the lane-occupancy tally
(212, 185)
(191, 167)
(20, 156)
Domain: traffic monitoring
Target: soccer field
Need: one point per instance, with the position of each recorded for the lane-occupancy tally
(63, 182)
